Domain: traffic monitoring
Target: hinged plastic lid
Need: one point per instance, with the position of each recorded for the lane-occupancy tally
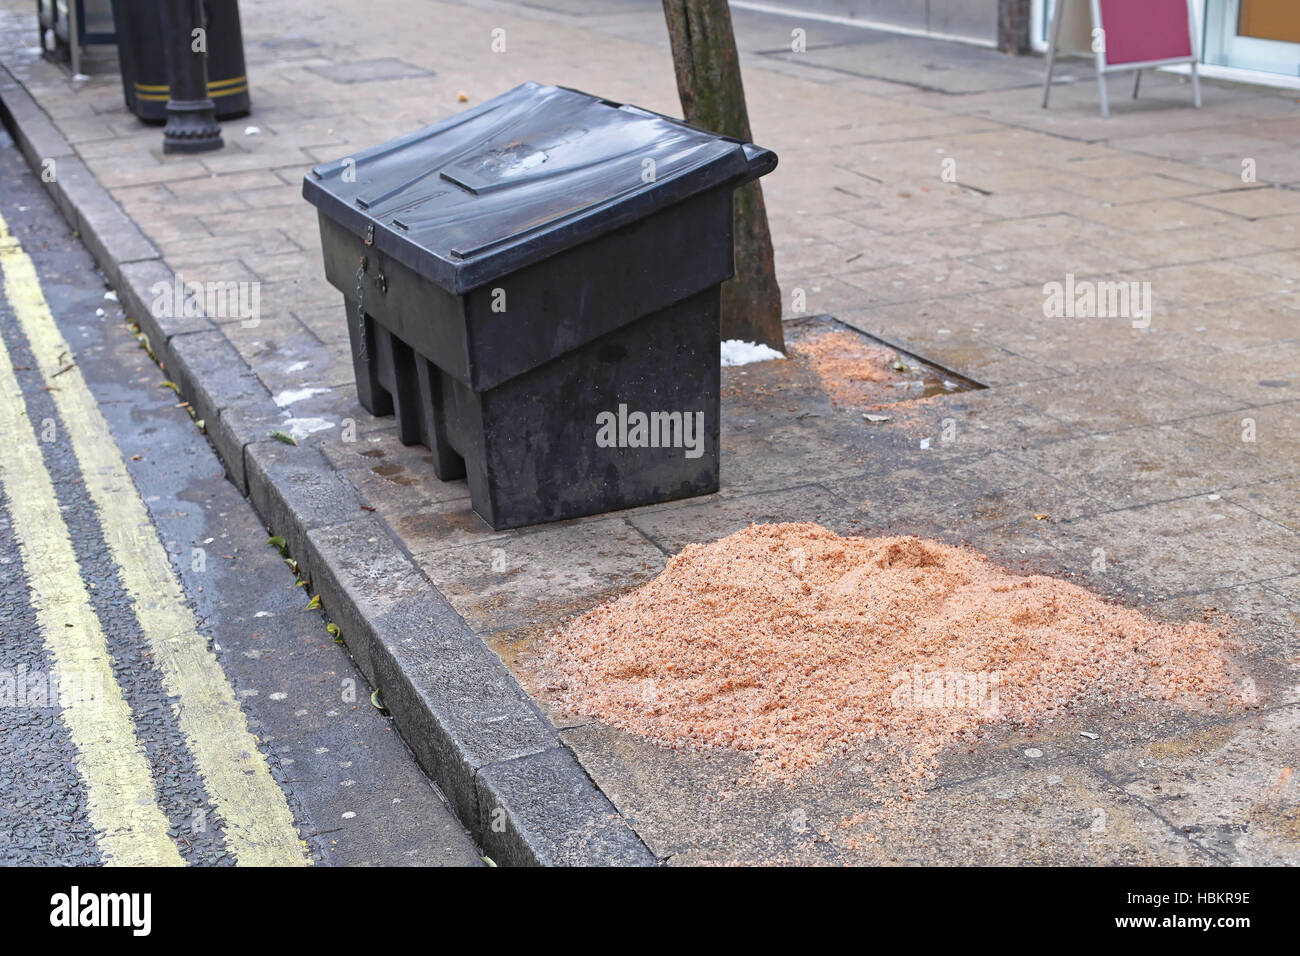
(523, 176)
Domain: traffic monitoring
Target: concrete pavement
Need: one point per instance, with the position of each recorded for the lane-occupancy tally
(922, 197)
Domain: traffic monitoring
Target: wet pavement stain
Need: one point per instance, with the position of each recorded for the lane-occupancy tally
(393, 472)
(831, 363)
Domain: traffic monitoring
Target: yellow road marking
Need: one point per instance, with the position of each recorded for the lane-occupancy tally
(120, 798)
(259, 826)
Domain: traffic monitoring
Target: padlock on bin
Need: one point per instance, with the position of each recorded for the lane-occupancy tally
(532, 287)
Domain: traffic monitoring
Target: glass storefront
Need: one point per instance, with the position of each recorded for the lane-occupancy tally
(1241, 36)
(1254, 35)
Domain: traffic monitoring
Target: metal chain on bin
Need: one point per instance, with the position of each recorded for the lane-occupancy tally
(361, 310)
(361, 282)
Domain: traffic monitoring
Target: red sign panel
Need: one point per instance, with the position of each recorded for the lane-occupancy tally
(1142, 30)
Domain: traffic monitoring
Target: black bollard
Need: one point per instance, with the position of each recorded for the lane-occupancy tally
(191, 119)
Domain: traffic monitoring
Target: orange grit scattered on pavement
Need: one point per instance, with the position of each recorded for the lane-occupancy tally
(852, 372)
(798, 645)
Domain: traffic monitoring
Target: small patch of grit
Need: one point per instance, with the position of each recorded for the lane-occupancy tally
(796, 644)
(852, 372)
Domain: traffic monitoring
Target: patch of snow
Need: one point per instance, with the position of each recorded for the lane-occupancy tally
(736, 352)
(291, 395)
(302, 427)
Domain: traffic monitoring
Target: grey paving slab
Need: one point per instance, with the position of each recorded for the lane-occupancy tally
(1264, 431)
(1261, 376)
(1146, 464)
(925, 64)
(1188, 545)
(506, 584)
(1278, 501)
(1229, 788)
(1122, 397)
(966, 496)
(704, 808)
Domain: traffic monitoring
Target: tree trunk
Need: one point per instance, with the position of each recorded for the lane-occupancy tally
(713, 98)
(1013, 26)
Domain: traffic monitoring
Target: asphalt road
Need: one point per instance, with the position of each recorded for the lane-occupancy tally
(166, 695)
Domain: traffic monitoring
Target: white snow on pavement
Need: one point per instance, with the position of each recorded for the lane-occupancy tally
(291, 395)
(302, 427)
(736, 352)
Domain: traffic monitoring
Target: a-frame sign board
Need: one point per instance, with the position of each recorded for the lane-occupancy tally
(1124, 35)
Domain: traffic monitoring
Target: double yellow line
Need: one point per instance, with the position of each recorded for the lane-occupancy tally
(122, 805)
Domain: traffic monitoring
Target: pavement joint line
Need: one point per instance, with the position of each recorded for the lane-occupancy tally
(1091, 759)
(1138, 506)
(259, 825)
(650, 538)
(521, 842)
(131, 828)
(1129, 428)
(1178, 831)
(1256, 582)
(1269, 584)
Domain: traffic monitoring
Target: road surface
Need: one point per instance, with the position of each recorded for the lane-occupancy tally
(167, 696)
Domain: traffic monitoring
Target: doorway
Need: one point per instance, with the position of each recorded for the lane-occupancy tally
(1254, 35)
